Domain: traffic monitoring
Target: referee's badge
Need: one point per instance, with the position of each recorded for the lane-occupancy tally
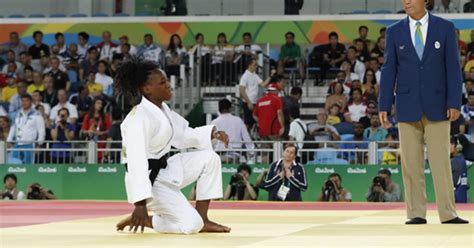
(437, 45)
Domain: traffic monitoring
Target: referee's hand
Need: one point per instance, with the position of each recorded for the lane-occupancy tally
(453, 114)
(384, 120)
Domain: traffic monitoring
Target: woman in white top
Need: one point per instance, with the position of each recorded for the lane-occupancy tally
(222, 59)
(175, 55)
(103, 78)
(203, 52)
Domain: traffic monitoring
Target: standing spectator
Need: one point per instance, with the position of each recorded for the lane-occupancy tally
(89, 64)
(38, 100)
(379, 50)
(102, 78)
(38, 49)
(363, 34)
(14, 44)
(286, 178)
(37, 84)
(62, 131)
(114, 136)
(357, 108)
(298, 129)
(469, 7)
(337, 96)
(47, 123)
(96, 124)
(446, 6)
(290, 55)
(11, 89)
(235, 128)
(356, 66)
(61, 43)
(105, 47)
(362, 143)
(246, 51)
(383, 189)
(222, 59)
(4, 127)
(28, 129)
(334, 52)
(10, 192)
(63, 103)
(375, 132)
(83, 46)
(249, 88)
(50, 95)
(150, 51)
(332, 190)
(293, 7)
(202, 51)
(175, 55)
(83, 102)
(61, 79)
(291, 102)
(16, 101)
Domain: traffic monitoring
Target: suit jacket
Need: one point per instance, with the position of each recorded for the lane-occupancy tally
(428, 86)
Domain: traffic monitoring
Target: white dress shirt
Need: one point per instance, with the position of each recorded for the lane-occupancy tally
(28, 126)
(235, 128)
(251, 81)
(298, 130)
(423, 27)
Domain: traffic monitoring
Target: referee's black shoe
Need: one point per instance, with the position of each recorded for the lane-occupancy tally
(416, 221)
(456, 220)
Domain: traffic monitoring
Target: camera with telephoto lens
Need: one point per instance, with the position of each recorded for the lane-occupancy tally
(379, 182)
(329, 185)
(237, 180)
(7, 195)
(35, 193)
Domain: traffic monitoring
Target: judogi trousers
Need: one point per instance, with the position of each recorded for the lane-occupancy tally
(413, 136)
(172, 211)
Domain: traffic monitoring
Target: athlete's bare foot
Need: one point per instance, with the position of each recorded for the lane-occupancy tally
(210, 226)
(126, 222)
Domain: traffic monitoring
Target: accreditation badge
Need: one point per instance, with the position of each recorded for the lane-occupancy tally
(283, 192)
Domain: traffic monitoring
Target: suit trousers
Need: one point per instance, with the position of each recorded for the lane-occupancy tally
(413, 136)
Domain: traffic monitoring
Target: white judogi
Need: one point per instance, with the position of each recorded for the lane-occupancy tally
(149, 132)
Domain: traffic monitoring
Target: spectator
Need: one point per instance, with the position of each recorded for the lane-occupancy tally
(383, 189)
(335, 116)
(239, 187)
(290, 55)
(38, 49)
(82, 101)
(11, 89)
(334, 52)
(116, 63)
(150, 51)
(361, 53)
(50, 95)
(332, 190)
(370, 87)
(361, 143)
(375, 132)
(357, 108)
(96, 124)
(125, 49)
(102, 78)
(459, 169)
(446, 6)
(374, 65)
(61, 79)
(95, 89)
(4, 127)
(468, 88)
(47, 123)
(37, 84)
(363, 34)
(247, 50)
(469, 7)
(114, 138)
(72, 59)
(63, 103)
(291, 102)
(370, 111)
(28, 129)
(38, 100)
(293, 7)
(461, 44)
(235, 128)
(132, 50)
(286, 178)
(356, 66)
(382, 31)
(175, 55)
(62, 131)
(105, 47)
(11, 67)
(379, 50)
(10, 192)
(346, 67)
(16, 100)
(89, 64)
(11, 59)
(391, 157)
(61, 43)
(470, 48)
(83, 45)
(458, 126)
(298, 129)
(202, 51)
(14, 44)
(222, 59)
(322, 131)
(467, 112)
(337, 97)
(36, 192)
(25, 60)
(249, 88)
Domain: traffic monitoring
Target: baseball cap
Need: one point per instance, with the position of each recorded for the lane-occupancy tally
(273, 87)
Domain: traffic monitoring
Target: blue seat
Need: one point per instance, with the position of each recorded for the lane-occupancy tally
(327, 156)
(78, 15)
(36, 16)
(360, 12)
(57, 15)
(16, 16)
(382, 11)
(121, 14)
(143, 14)
(100, 15)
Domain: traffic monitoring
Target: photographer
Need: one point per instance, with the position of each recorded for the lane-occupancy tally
(62, 131)
(383, 189)
(286, 178)
(10, 192)
(239, 187)
(332, 190)
(36, 192)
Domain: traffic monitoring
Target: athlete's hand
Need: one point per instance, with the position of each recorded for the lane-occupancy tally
(222, 136)
(453, 114)
(140, 217)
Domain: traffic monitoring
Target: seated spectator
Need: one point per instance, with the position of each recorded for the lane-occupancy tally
(132, 50)
(222, 60)
(375, 132)
(27, 130)
(125, 55)
(378, 52)
(370, 88)
(61, 79)
(62, 131)
(10, 192)
(83, 44)
(459, 170)
(350, 75)
(461, 44)
(290, 55)
(446, 6)
(334, 52)
(357, 108)
(11, 65)
(47, 123)
(383, 189)
(15, 101)
(96, 125)
(335, 116)
(14, 44)
(72, 59)
(286, 178)
(106, 46)
(114, 138)
(371, 110)
(469, 7)
(358, 157)
(337, 96)
(235, 128)
(363, 36)
(50, 95)
(102, 78)
(290, 102)
(36, 192)
(175, 55)
(4, 128)
(246, 51)
(38, 100)
(11, 89)
(467, 112)
(95, 89)
(117, 60)
(322, 131)
(357, 66)
(362, 54)
(391, 157)
(25, 60)
(150, 51)
(239, 187)
(468, 87)
(60, 43)
(374, 64)
(37, 84)
(332, 190)
(89, 64)
(83, 101)
(63, 103)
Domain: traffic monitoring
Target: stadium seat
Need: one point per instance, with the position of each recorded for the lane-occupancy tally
(121, 14)
(36, 16)
(16, 16)
(78, 15)
(145, 14)
(360, 12)
(57, 15)
(100, 15)
(382, 11)
(327, 156)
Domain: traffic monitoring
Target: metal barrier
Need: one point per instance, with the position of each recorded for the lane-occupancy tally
(92, 152)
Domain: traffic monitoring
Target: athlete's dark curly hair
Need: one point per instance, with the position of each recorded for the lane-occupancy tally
(131, 76)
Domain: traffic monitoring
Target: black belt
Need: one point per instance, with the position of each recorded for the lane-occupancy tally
(155, 165)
